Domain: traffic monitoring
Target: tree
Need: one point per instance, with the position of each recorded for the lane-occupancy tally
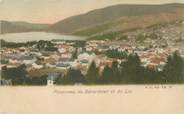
(73, 76)
(79, 43)
(131, 69)
(92, 73)
(75, 54)
(114, 53)
(116, 72)
(173, 71)
(107, 76)
(16, 75)
(42, 45)
(39, 80)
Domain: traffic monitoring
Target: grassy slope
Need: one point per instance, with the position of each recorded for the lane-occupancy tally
(108, 14)
(116, 27)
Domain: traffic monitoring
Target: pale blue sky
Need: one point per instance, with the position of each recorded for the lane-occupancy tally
(50, 11)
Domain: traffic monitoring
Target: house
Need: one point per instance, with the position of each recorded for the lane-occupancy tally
(89, 49)
(44, 71)
(63, 65)
(83, 68)
(160, 67)
(13, 61)
(35, 54)
(66, 56)
(106, 62)
(47, 53)
(71, 49)
(56, 57)
(50, 82)
(50, 60)
(74, 63)
(22, 49)
(36, 66)
(51, 78)
(62, 50)
(48, 65)
(28, 60)
(13, 65)
(86, 57)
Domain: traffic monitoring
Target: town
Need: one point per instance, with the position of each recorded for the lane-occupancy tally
(53, 59)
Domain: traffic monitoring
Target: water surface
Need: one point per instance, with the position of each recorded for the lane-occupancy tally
(36, 36)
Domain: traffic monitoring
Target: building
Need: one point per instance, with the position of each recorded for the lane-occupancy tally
(51, 78)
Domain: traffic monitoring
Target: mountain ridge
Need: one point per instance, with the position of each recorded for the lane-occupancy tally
(20, 26)
(71, 24)
(102, 20)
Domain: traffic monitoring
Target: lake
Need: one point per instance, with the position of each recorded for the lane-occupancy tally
(36, 36)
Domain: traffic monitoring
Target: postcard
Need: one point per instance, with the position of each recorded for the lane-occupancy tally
(91, 57)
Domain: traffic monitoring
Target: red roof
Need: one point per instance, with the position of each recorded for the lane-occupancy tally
(44, 71)
(157, 60)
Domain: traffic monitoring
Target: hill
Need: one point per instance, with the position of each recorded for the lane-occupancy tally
(17, 27)
(100, 20)
(106, 22)
(122, 25)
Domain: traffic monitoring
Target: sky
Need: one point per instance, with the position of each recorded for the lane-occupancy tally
(51, 11)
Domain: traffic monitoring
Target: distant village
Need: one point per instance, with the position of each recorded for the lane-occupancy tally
(63, 55)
